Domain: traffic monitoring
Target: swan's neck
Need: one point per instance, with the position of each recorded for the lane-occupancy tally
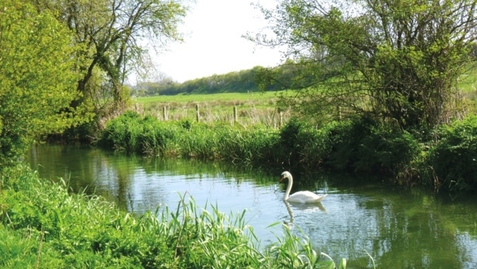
(289, 187)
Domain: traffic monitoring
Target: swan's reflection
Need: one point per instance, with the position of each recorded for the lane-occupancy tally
(290, 212)
(302, 207)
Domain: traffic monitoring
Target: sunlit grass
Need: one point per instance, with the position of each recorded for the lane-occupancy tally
(234, 98)
(243, 108)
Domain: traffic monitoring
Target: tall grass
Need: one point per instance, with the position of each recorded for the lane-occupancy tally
(441, 158)
(42, 226)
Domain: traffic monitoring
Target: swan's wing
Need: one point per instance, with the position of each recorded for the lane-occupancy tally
(320, 197)
(305, 197)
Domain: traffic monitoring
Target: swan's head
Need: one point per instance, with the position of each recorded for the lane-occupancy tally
(284, 175)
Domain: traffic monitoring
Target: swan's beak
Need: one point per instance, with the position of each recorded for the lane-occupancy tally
(281, 179)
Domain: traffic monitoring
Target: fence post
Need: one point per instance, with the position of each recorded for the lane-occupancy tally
(235, 114)
(164, 113)
(197, 115)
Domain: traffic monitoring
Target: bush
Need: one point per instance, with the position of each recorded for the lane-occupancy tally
(252, 147)
(133, 134)
(303, 146)
(363, 145)
(453, 160)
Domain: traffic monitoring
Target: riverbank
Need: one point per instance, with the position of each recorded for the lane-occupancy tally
(441, 159)
(43, 226)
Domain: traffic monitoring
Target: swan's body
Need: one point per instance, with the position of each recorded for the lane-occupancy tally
(304, 197)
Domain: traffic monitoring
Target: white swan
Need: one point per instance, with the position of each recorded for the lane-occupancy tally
(304, 197)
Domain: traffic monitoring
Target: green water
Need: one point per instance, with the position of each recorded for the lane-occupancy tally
(398, 228)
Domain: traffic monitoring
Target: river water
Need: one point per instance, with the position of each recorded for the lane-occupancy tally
(398, 228)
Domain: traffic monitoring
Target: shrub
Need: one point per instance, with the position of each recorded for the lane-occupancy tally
(133, 134)
(358, 145)
(252, 147)
(304, 146)
(366, 146)
(122, 132)
(453, 160)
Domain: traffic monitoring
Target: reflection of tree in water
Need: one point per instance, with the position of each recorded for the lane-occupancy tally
(133, 182)
(412, 234)
(421, 235)
(87, 170)
(76, 165)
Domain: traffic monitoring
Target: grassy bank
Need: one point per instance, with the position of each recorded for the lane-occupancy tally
(440, 159)
(45, 227)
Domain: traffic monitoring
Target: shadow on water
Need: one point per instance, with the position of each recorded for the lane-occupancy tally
(399, 228)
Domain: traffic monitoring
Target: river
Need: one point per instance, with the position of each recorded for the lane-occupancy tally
(399, 228)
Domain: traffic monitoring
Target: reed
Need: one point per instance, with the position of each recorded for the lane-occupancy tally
(345, 145)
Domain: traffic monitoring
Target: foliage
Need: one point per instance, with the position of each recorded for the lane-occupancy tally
(38, 74)
(363, 145)
(302, 146)
(240, 81)
(452, 160)
(133, 134)
(399, 60)
(43, 226)
(112, 34)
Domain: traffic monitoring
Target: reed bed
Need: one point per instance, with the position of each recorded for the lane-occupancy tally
(361, 146)
(43, 226)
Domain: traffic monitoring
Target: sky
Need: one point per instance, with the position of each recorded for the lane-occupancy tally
(213, 42)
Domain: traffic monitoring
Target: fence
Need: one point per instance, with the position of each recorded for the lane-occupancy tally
(244, 115)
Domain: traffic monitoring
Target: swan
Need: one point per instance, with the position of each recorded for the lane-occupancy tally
(304, 197)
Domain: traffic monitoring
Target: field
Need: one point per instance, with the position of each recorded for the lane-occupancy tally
(241, 108)
(249, 108)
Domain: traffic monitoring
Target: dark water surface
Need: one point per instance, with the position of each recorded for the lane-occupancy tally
(398, 228)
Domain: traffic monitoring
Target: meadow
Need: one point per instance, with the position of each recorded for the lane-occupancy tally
(254, 108)
(250, 108)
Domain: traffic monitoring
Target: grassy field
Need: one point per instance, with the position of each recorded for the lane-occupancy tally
(231, 98)
(251, 108)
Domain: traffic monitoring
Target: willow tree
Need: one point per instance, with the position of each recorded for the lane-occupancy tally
(115, 36)
(397, 59)
(38, 76)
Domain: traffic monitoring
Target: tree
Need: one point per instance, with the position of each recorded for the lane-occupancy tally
(113, 34)
(38, 77)
(399, 60)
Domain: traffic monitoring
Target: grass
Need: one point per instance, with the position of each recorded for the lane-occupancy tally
(43, 226)
(252, 108)
(230, 98)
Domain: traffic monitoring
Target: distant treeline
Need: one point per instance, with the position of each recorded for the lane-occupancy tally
(239, 81)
